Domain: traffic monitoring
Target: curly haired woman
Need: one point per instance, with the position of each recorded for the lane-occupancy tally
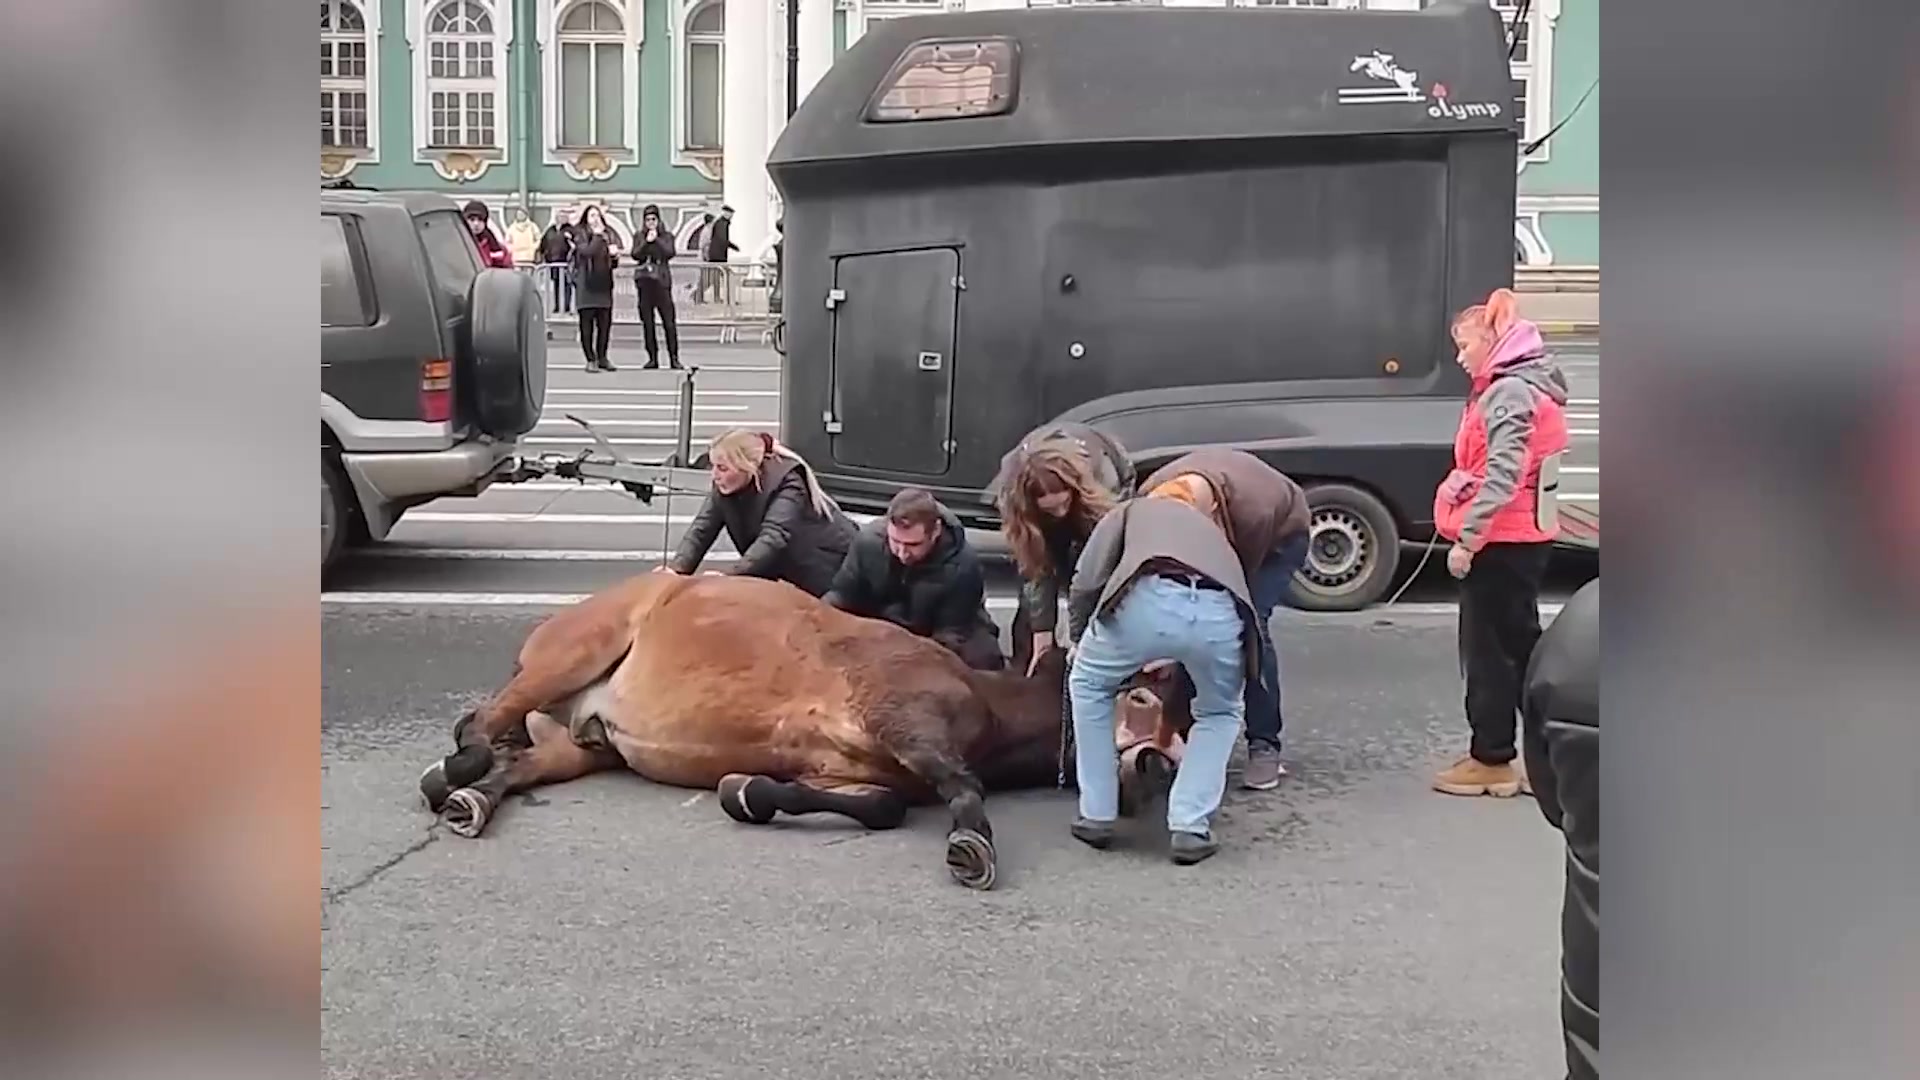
(1051, 491)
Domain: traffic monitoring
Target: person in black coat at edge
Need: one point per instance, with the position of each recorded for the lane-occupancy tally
(594, 259)
(780, 521)
(1560, 734)
(913, 567)
(653, 279)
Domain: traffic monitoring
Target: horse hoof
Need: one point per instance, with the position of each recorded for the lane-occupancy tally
(970, 859)
(466, 813)
(434, 787)
(738, 799)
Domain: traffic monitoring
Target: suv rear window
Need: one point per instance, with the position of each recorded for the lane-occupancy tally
(456, 262)
(344, 299)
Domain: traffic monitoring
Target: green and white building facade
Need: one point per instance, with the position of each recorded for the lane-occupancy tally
(555, 104)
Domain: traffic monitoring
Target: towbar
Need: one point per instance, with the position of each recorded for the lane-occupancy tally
(675, 476)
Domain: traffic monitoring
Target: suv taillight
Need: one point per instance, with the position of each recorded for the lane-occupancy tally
(436, 390)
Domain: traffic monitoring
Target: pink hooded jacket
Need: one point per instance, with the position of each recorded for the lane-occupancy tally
(1513, 422)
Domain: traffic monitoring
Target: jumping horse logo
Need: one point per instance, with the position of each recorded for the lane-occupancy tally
(1379, 65)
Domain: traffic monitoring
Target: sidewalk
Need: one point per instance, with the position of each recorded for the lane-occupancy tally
(1562, 312)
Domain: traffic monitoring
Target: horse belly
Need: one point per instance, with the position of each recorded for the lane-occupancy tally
(695, 750)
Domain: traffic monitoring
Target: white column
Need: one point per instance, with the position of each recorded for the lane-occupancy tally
(744, 128)
(816, 42)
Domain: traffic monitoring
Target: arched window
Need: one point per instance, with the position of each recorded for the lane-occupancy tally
(706, 75)
(592, 76)
(343, 75)
(460, 76)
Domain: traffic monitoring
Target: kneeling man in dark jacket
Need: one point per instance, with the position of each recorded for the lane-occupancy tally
(914, 568)
(1560, 710)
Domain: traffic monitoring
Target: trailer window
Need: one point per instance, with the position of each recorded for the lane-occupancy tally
(945, 80)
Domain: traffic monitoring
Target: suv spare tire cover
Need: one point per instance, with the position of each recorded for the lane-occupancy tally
(508, 338)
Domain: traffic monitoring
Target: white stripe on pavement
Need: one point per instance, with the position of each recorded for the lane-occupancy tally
(624, 392)
(580, 366)
(378, 551)
(1583, 431)
(600, 422)
(1581, 470)
(645, 406)
(535, 517)
(1548, 609)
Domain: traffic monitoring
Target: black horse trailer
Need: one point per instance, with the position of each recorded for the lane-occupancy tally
(1186, 227)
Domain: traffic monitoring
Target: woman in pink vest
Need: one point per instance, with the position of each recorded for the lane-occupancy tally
(1498, 509)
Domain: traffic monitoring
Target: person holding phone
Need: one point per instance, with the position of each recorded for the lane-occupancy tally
(653, 279)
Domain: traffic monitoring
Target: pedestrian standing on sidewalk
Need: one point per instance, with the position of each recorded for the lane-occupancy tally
(1268, 525)
(773, 509)
(593, 261)
(556, 254)
(1498, 507)
(492, 251)
(1052, 490)
(653, 251)
(523, 239)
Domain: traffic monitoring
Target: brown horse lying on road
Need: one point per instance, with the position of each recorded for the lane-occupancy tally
(779, 702)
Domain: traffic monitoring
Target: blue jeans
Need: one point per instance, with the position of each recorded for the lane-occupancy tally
(1161, 619)
(1269, 586)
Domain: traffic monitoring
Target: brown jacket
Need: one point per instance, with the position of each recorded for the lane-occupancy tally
(1136, 532)
(1263, 506)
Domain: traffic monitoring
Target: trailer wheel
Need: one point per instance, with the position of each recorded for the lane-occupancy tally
(335, 514)
(1352, 552)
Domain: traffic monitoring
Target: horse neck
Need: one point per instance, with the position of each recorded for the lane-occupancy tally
(1026, 709)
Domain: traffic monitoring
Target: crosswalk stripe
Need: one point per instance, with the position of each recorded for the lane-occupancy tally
(1548, 610)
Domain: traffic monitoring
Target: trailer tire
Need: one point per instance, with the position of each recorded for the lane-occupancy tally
(336, 516)
(1352, 551)
(507, 336)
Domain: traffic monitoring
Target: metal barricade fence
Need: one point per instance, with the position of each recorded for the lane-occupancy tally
(712, 301)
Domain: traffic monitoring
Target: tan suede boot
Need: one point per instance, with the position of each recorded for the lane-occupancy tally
(1469, 777)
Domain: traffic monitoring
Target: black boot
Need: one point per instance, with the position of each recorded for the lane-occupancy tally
(652, 364)
(674, 363)
(607, 365)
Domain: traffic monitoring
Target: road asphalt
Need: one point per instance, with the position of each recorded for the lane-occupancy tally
(1354, 925)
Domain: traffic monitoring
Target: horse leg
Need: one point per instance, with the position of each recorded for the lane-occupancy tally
(552, 758)
(754, 800)
(561, 657)
(970, 854)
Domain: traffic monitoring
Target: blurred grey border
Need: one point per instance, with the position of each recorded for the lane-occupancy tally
(156, 418)
(1762, 761)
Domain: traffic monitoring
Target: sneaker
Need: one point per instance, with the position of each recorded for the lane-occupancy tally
(1189, 848)
(1470, 777)
(1264, 770)
(1094, 834)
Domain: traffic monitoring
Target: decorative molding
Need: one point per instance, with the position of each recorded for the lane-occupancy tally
(1532, 240)
(1542, 16)
(705, 162)
(1558, 204)
(598, 162)
(468, 163)
(338, 161)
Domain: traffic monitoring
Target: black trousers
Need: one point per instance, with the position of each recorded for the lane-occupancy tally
(656, 297)
(596, 328)
(1499, 624)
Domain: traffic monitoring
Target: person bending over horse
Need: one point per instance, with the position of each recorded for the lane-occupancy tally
(766, 497)
(1158, 580)
(914, 567)
(1267, 523)
(1052, 490)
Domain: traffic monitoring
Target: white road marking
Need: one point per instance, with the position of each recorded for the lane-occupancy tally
(646, 406)
(1577, 470)
(582, 440)
(699, 392)
(600, 422)
(383, 551)
(1570, 431)
(1583, 401)
(534, 517)
(1548, 609)
(1580, 498)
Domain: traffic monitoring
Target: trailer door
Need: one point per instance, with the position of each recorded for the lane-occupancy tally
(893, 344)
